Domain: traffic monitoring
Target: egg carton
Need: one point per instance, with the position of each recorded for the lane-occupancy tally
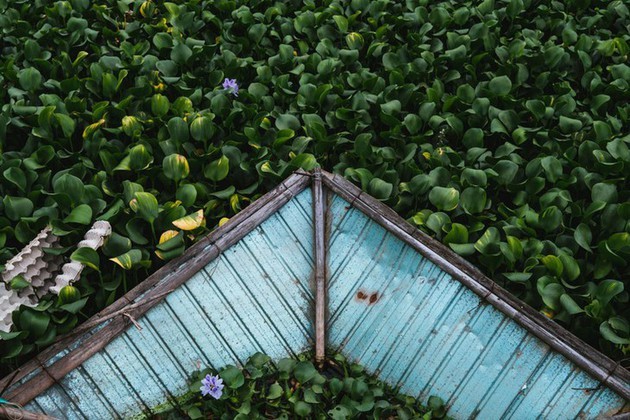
(9, 302)
(39, 269)
(31, 261)
(71, 271)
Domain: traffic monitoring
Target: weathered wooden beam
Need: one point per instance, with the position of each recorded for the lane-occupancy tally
(602, 368)
(319, 245)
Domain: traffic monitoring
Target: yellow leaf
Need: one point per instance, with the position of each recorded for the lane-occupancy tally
(169, 234)
(223, 221)
(190, 222)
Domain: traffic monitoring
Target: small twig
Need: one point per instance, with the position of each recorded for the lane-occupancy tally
(133, 321)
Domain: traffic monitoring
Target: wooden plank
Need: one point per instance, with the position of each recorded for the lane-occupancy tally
(147, 294)
(320, 267)
(599, 366)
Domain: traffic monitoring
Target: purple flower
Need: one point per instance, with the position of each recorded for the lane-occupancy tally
(231, 85)
(212, 385)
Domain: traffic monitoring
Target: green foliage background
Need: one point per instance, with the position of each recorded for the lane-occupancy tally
(499, 127)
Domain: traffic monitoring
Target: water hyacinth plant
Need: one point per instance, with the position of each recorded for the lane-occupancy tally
(291, 388)
(212, 385)
(231, 86)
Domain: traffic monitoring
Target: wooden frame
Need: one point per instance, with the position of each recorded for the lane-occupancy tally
(45, 369)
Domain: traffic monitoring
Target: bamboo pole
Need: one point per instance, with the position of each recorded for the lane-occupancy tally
(320, 267)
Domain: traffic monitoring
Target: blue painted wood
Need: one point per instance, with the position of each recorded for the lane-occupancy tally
(255, 297)
(390, 309)
(430, 335)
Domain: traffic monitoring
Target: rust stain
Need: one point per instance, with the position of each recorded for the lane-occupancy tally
(370, 297)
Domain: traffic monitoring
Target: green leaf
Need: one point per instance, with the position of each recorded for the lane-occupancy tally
(86, 256)
(159, 105)
(70, 185)
(392, 107)
(30, 79)
(507, 171)
(175, 167)
(551, 295)
(571, 267)
(607, 290)
(536, 107)
(18, 283)
(17, 207)
(474, 177)
(129, 259)
(552, 167)
(464, 250)
(35, 322)
(569, 304)
(610, 334)
(181, 53)
(443, 198)
(146, 206)
(569, 125)
(458, 234)
(500, 85)
(75, 307)
(473, 200)
(306, 161)
(218, 169)
(488, 243)
(304, 372)
(354, 41)
(551, 219)
(232, 376)
(553, 264)
(275, 391)
(342, 23)
(379, 189)
(514, 7)
(412, 123)
(302, 409)
(288, 121)
(518, 277)
(16, 176)
(82, 214)
(178, 129)
(139, 158)
(604, 192)
(187, 194)
(202, 129)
